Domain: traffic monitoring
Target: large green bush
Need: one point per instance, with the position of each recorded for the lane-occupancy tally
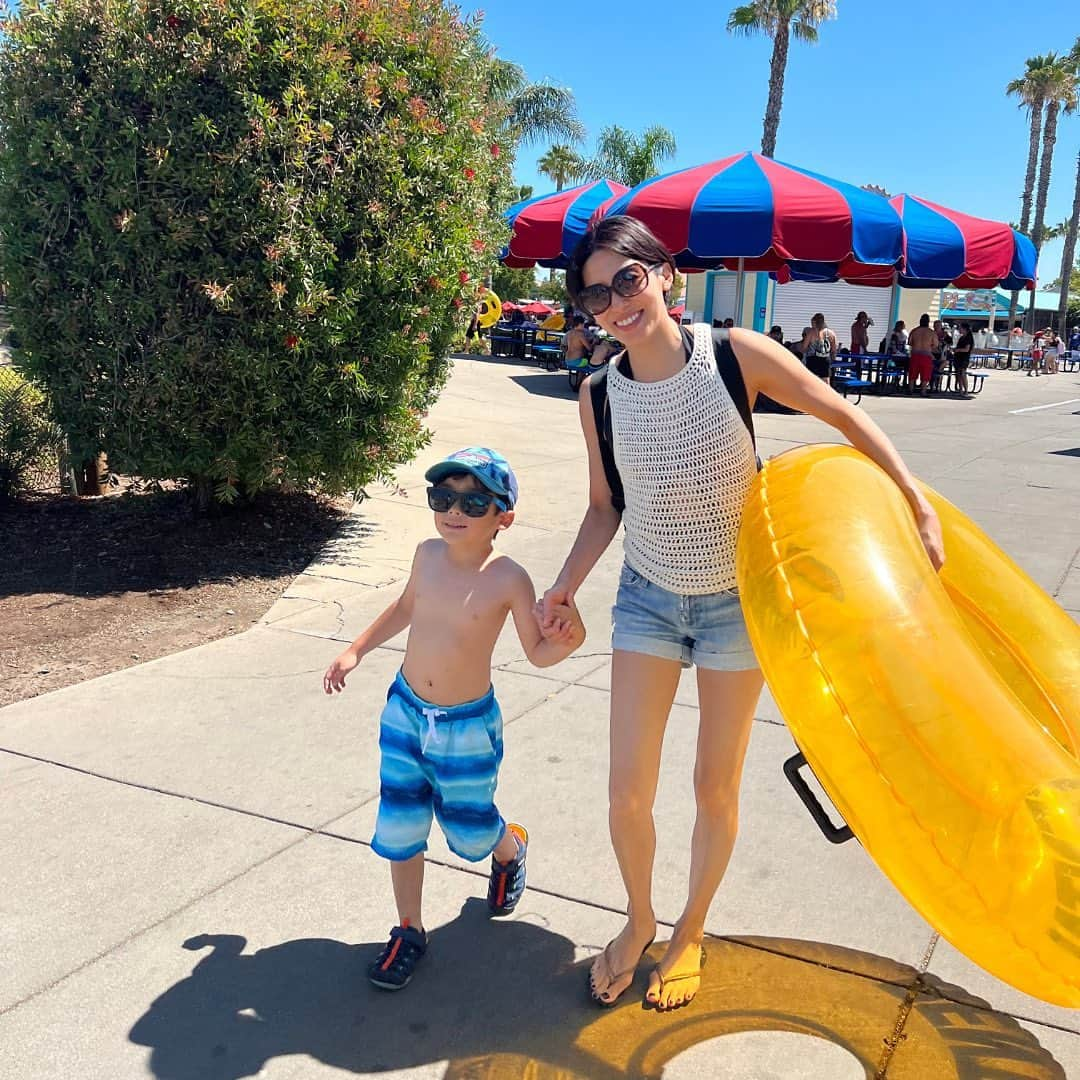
(240, 234)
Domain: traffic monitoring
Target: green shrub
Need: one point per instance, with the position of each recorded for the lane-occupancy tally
(240, 235)
(29, 440)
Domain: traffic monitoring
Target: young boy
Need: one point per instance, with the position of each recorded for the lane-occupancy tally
(440, 734)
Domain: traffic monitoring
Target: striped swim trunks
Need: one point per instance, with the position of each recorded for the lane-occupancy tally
(442, 761)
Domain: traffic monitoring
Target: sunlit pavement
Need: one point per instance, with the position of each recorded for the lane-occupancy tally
(188, 891)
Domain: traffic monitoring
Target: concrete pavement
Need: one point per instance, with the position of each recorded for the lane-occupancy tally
(188, 891)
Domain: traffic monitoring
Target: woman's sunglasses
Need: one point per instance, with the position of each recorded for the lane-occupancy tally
(473, 503)
(627, 282)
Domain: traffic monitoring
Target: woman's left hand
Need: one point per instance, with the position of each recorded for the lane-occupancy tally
(929, 526)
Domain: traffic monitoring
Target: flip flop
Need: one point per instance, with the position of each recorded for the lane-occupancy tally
(667, 980)
(615, 977)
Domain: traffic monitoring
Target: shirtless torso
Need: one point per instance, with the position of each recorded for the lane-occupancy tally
(577, 344)
(458, 610)
(923, 339)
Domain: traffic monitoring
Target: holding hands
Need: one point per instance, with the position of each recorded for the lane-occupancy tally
(563, 626)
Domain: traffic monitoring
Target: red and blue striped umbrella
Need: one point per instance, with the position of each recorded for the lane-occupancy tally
(547, 228)
(941, 247)
(944, 247)
(761, 214)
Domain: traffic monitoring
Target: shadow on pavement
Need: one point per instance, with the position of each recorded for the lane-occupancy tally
(503, 1001)
(552, 384)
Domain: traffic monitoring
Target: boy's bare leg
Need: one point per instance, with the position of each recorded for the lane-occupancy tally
(408, 878)
(506, 850)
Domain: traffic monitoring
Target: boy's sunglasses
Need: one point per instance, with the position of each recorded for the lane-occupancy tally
(473, 503)
(627, 282)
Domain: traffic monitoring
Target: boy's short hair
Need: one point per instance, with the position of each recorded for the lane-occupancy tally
(487, 466)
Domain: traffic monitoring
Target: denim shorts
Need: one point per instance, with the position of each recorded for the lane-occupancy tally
(708, 630)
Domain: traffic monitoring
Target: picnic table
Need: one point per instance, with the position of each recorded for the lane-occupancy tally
(947, 375)
(884, 371)
(527, 343)
(863, 372)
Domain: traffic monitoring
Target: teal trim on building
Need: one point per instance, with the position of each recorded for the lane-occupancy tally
(894, 310)
(761, 297)
(706, 315)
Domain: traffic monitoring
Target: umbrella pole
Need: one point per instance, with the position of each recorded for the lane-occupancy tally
(739, 285)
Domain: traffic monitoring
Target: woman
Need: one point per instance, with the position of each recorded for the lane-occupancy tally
(819, 347)
(676, 602)
(1051, 344)
(898, 340)
(962, 357)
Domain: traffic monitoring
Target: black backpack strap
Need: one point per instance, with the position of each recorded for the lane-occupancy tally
(727, 366)
(602, 418)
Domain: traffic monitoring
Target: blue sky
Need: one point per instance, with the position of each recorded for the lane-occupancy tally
(907, 94)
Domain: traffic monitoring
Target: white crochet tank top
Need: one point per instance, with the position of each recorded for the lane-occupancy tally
(686, 460)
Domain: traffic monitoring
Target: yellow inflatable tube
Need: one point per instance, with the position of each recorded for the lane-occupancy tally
(940, 713)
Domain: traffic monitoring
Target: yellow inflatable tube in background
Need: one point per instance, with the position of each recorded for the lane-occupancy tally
(489, 311)
(940, 713)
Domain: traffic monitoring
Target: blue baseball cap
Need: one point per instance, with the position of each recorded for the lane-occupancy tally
(488, 466)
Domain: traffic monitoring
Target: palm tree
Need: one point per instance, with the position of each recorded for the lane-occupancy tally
(1069, 252)
(1055, 232)
(1061, 87)
(1031, 89)
(532, 111)
(630, 158)
(562, 164)
(781, 20)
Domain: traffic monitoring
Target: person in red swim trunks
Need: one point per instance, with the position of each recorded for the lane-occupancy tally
(923, 341)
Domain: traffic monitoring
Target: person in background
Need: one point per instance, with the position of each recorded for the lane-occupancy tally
(800, 346)
(1051, 347)
(1074, 339)
(860, 334)
(942, 344)
(577, 345)
(819, 347)
(943, 334)
(923, 342)
(962, 357)
(897, 345)
(777, 334)
(1036, 354)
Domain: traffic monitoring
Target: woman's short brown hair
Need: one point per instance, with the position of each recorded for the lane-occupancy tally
(625, 236)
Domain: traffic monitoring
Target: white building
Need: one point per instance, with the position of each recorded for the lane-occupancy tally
(711, 298)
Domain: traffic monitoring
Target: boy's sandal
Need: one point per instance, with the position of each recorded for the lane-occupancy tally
(616, 976)
(506, 882)
(394, 967)
(667, 980)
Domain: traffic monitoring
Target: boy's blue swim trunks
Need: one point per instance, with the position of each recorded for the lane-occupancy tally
(441, 760)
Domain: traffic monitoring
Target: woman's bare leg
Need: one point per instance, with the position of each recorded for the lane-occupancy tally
(727, 701)
(642, 690)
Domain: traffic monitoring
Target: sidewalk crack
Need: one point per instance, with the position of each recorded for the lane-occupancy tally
(917, 987)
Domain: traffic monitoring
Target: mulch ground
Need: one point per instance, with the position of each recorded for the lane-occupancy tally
(89, 586)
